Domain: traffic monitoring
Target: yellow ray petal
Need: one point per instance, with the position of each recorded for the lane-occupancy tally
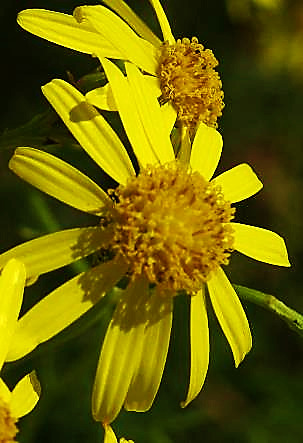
(206, 151)
(119, 35)
(199, 345)
(25, 395)
(12, 282)
(49, 252)
(5, 393)
(64, 30)
(90, 129)
(260, 244)
(121, 8)
(120, 353)
(102, 98)
(109, 436)
(129, 114)
(238, 183)
(163, 22)
(150, 114)
(147, 377)
(154, 84)
(63, 306)
(60, 180)
(168, 116)
(230, 315)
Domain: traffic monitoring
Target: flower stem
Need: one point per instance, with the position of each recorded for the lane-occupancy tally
(293, 319)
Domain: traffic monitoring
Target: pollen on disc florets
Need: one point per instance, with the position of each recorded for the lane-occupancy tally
(8, 429)
(172, 226)
(188, 78)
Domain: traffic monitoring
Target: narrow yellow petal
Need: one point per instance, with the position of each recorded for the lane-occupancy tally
(199, 345)
(260, 244)
(120, 353)
(119, 35)
(147, 377)
(49, 252)
(168, 116)
(238, 183)
(5, 393)
(63, 306)
(25, 395)
(60, 180)
(90, 129)
(102, 98)
(206, 151)
(230, 315)
(163, 22)
(64, 30)
(154, 84)
(129, 114)
(12, 282)
(150, 114)
(109, 436)
(121, 8)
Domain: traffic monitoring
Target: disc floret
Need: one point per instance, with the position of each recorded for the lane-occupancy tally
(172, 226)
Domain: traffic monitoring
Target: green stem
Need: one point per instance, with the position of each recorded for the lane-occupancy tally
(293, 319)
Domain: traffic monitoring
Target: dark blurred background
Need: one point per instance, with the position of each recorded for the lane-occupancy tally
(259, 45)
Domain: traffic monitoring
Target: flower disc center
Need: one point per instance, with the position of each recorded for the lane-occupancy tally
(188, 78)
(172, 226)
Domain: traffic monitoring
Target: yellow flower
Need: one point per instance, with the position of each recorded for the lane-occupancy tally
(167, 228)
(110, 437)
(23, 398)
(181, 71)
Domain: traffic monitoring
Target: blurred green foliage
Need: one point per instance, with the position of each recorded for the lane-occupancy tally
(259, 46)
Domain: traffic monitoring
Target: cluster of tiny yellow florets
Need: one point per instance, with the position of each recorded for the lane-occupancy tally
(172, 226)
(8, 429)
(188, 78)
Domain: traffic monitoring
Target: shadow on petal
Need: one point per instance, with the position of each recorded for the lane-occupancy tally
(83, 112)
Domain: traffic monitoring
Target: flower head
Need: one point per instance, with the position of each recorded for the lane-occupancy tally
(172, 226)
(183, 71)
(23, 398)
(188, 78)
(168, 228)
